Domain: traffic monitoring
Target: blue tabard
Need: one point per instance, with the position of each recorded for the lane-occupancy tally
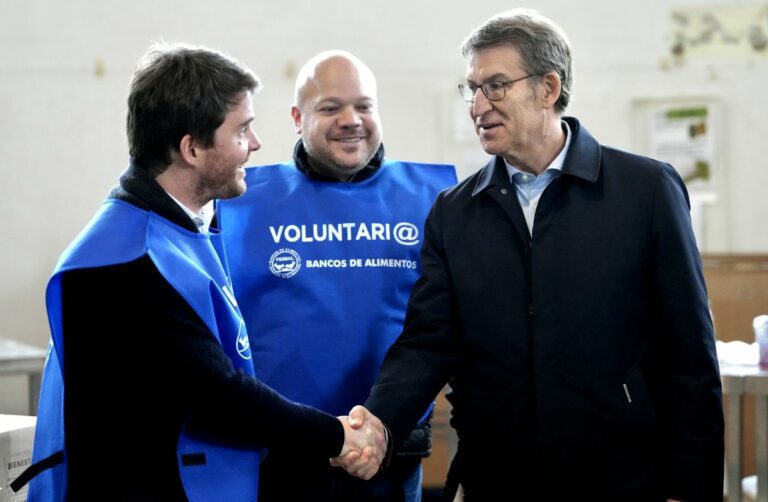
(323, 271)
(195, 266)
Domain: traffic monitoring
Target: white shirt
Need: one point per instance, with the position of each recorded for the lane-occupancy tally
(202, 220)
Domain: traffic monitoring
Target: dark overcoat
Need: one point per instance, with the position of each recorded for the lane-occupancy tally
(581, 358)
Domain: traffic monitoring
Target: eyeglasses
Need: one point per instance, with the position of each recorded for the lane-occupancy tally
(495, 90)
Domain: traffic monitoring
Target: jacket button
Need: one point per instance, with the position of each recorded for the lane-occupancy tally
(504, 191)
(530, 310)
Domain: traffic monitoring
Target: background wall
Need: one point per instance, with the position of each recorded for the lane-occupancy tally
(65, 69)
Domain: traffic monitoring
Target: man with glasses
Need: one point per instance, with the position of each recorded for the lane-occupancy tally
(324, 250)
(562, 297)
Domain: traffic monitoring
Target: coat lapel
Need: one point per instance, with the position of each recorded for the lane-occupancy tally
(581, 161)
(495, 181)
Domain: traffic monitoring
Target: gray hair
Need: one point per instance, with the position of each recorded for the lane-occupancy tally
(542, 44)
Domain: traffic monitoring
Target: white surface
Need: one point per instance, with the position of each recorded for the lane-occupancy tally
(10, 423)
(16, 437)
(737, 353)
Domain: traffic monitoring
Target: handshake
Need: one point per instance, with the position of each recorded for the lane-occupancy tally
(365, 443)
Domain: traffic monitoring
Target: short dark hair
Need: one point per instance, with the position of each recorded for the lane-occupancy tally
(542, 44)
(178, 90)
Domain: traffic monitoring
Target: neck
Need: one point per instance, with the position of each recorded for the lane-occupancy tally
(337, 174)
(547, 145)
(175, 181)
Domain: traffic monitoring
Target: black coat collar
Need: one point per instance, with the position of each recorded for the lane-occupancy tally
(581, 161)
(139, 188)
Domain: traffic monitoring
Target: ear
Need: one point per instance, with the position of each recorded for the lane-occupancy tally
(190, 150)
(552, 88)
(296, 114)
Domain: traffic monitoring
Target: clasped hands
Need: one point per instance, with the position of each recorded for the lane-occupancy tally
(365, 443)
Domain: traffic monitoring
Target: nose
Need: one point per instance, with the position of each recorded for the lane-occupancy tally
(480, 105)
(254, 143)
(348, 117)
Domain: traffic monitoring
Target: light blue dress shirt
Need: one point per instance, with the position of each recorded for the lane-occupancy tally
(529, 187)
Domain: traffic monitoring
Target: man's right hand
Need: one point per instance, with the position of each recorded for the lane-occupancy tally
(365, 443)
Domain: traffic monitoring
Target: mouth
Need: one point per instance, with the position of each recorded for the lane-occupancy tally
(350, 140)
(482, 127)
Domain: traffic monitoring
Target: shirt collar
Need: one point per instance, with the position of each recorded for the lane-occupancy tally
(582, 160)
(202, 220)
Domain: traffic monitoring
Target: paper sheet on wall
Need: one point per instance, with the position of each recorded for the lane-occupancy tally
(683, 137)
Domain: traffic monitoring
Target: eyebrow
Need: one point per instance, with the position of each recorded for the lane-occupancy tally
(494, 77)
(340, 100)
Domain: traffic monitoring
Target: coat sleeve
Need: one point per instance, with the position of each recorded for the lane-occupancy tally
(686, 349)
(424, 357)
(138, 353)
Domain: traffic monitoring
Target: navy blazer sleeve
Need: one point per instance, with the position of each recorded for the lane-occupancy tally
(686, 347)
(423, 358)
(139, 363)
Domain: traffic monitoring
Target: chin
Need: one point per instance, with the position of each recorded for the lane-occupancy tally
(490, 149)
(348, 162)
(235, 190)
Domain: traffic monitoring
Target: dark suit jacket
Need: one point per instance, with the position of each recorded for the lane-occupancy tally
(581, 357)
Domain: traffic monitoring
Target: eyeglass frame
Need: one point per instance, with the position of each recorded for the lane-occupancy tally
(505, 85)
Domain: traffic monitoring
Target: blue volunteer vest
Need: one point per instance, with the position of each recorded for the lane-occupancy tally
(323, 271)
(195, 266)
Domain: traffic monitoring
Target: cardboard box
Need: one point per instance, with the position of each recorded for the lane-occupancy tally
(17, 433)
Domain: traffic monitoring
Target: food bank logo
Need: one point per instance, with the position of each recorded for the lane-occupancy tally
(285, 263)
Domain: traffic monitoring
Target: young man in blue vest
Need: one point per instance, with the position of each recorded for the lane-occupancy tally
(324, 251)
(148, 392)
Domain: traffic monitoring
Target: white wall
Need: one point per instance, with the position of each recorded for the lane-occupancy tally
(62, 141)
